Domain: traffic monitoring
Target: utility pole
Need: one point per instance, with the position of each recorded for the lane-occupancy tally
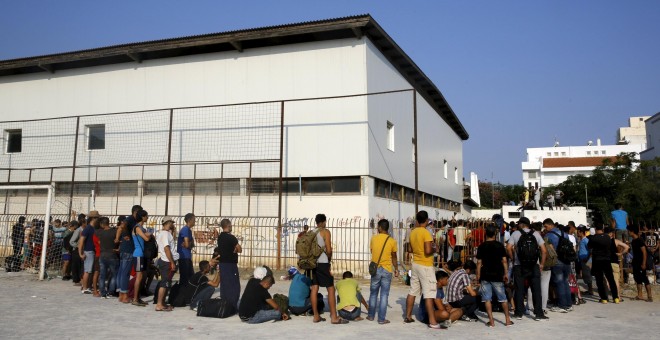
(492, 190)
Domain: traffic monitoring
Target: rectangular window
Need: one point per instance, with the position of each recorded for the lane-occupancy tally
(445, 168)
(396, 192)
(14, 141)
(456, 175)
(264, 186)
(602, 152)
(390, 136)
(595, 152)
(318, 186)
(588, 153)
(382, 189)
(556, 153)
(532, 174)
(409, 195)
(563, 153)
(96, 137)
(548, 154)
(291, 187)
(346, 185)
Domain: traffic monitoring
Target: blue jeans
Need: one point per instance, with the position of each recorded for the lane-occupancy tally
(487, 289)
(381, 281)
(203, 294)
(560, 273)
(352, 315)
(265, 316)
(125, 262)
(108, 264)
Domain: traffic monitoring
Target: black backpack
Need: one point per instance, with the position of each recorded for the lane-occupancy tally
(151, 248)
(527, 248)
(565, 250)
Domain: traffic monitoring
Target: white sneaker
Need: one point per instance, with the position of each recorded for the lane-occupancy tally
(86, 291)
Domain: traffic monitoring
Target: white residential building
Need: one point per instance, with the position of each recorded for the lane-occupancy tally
(552, 165)
(652, 138)
(113, 126)
(634, 133)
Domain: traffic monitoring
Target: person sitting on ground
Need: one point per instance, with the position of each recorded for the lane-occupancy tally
(639, 262)
(444, 313)
(299, 290)
(458, 285)
(199, 286)
(349, 300)
(257, 306)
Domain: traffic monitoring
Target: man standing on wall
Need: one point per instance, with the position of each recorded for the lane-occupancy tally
(620, 222)
(185, 244)
(228, 246)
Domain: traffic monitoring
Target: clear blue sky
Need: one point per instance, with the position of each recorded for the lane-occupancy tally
(517, 73)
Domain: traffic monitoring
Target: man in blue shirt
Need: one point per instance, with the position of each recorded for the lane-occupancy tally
(620, 222)
(584, 257)
(560, 271)
(299, 301)
(185, 244)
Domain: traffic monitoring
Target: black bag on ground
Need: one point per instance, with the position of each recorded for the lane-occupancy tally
(13, 263)
(176, 297)
(565, 250)
(215, 308)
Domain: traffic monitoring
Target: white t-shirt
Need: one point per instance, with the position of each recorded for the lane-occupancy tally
(572, 239)
(165, 239)
(461, 233)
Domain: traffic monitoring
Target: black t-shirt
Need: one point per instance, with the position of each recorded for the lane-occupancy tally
(226, 244)
(107, 242)
(253, 299)
(196, 283)
(18, 232)
(491, 253)
(600, 245)
(637, 245)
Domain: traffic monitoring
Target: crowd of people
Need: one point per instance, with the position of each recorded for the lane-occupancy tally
(520, 268)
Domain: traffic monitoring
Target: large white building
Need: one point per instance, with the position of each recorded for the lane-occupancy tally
(211, 123)
(652, 138)
(552, 165)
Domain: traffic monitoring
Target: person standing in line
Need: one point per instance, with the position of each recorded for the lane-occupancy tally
(423, 280)
(639, 262)
(166, 262)
(492, 269)
(584, 257)
(17, 236)
(559, 198)
(560, 271)
(537, 198)
(76, 261)
(524, 247)
(620, 221)
(321, 275)
(126, 247)
(383, 253)
(229, 248)
(87, 251)
(551, 201)
(617, 250)
(600, 245)
(108, 261)
(140, 236)
(185, 244)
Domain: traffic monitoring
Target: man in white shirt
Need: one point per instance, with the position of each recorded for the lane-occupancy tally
(166, 262)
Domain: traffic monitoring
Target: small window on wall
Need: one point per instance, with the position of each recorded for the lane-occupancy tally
(445, 168)
(456, 175)
(95, 137)
(390, 136)
(13, 141)
(413, 150)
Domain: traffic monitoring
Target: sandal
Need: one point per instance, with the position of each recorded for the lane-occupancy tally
(370, 318)
(509, 324)
(637, 298)
(408, 320)
(489, 325)
(319, 320)
(164, 310)
(384, 322)
(340, 322)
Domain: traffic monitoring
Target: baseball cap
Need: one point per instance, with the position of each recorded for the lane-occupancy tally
(292, 271)
(168, 219)
(524, 220)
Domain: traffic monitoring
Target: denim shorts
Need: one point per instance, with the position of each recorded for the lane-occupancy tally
(89, 262)
(487, 289)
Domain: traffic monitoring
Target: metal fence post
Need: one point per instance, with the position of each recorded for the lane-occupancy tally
(73, 168)
(169, 161)
(279, 204)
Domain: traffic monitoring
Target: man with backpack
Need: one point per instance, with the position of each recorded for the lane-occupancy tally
(561, 271)
(321, 275)
(525, 246)
(383, 254)
(228, 248)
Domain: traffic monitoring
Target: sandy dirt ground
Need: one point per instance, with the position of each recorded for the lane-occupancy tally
(33, 309)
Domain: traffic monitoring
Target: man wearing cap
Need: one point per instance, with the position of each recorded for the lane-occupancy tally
(522, 272)
(228, 247)
(299, 290)
(166, 262)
